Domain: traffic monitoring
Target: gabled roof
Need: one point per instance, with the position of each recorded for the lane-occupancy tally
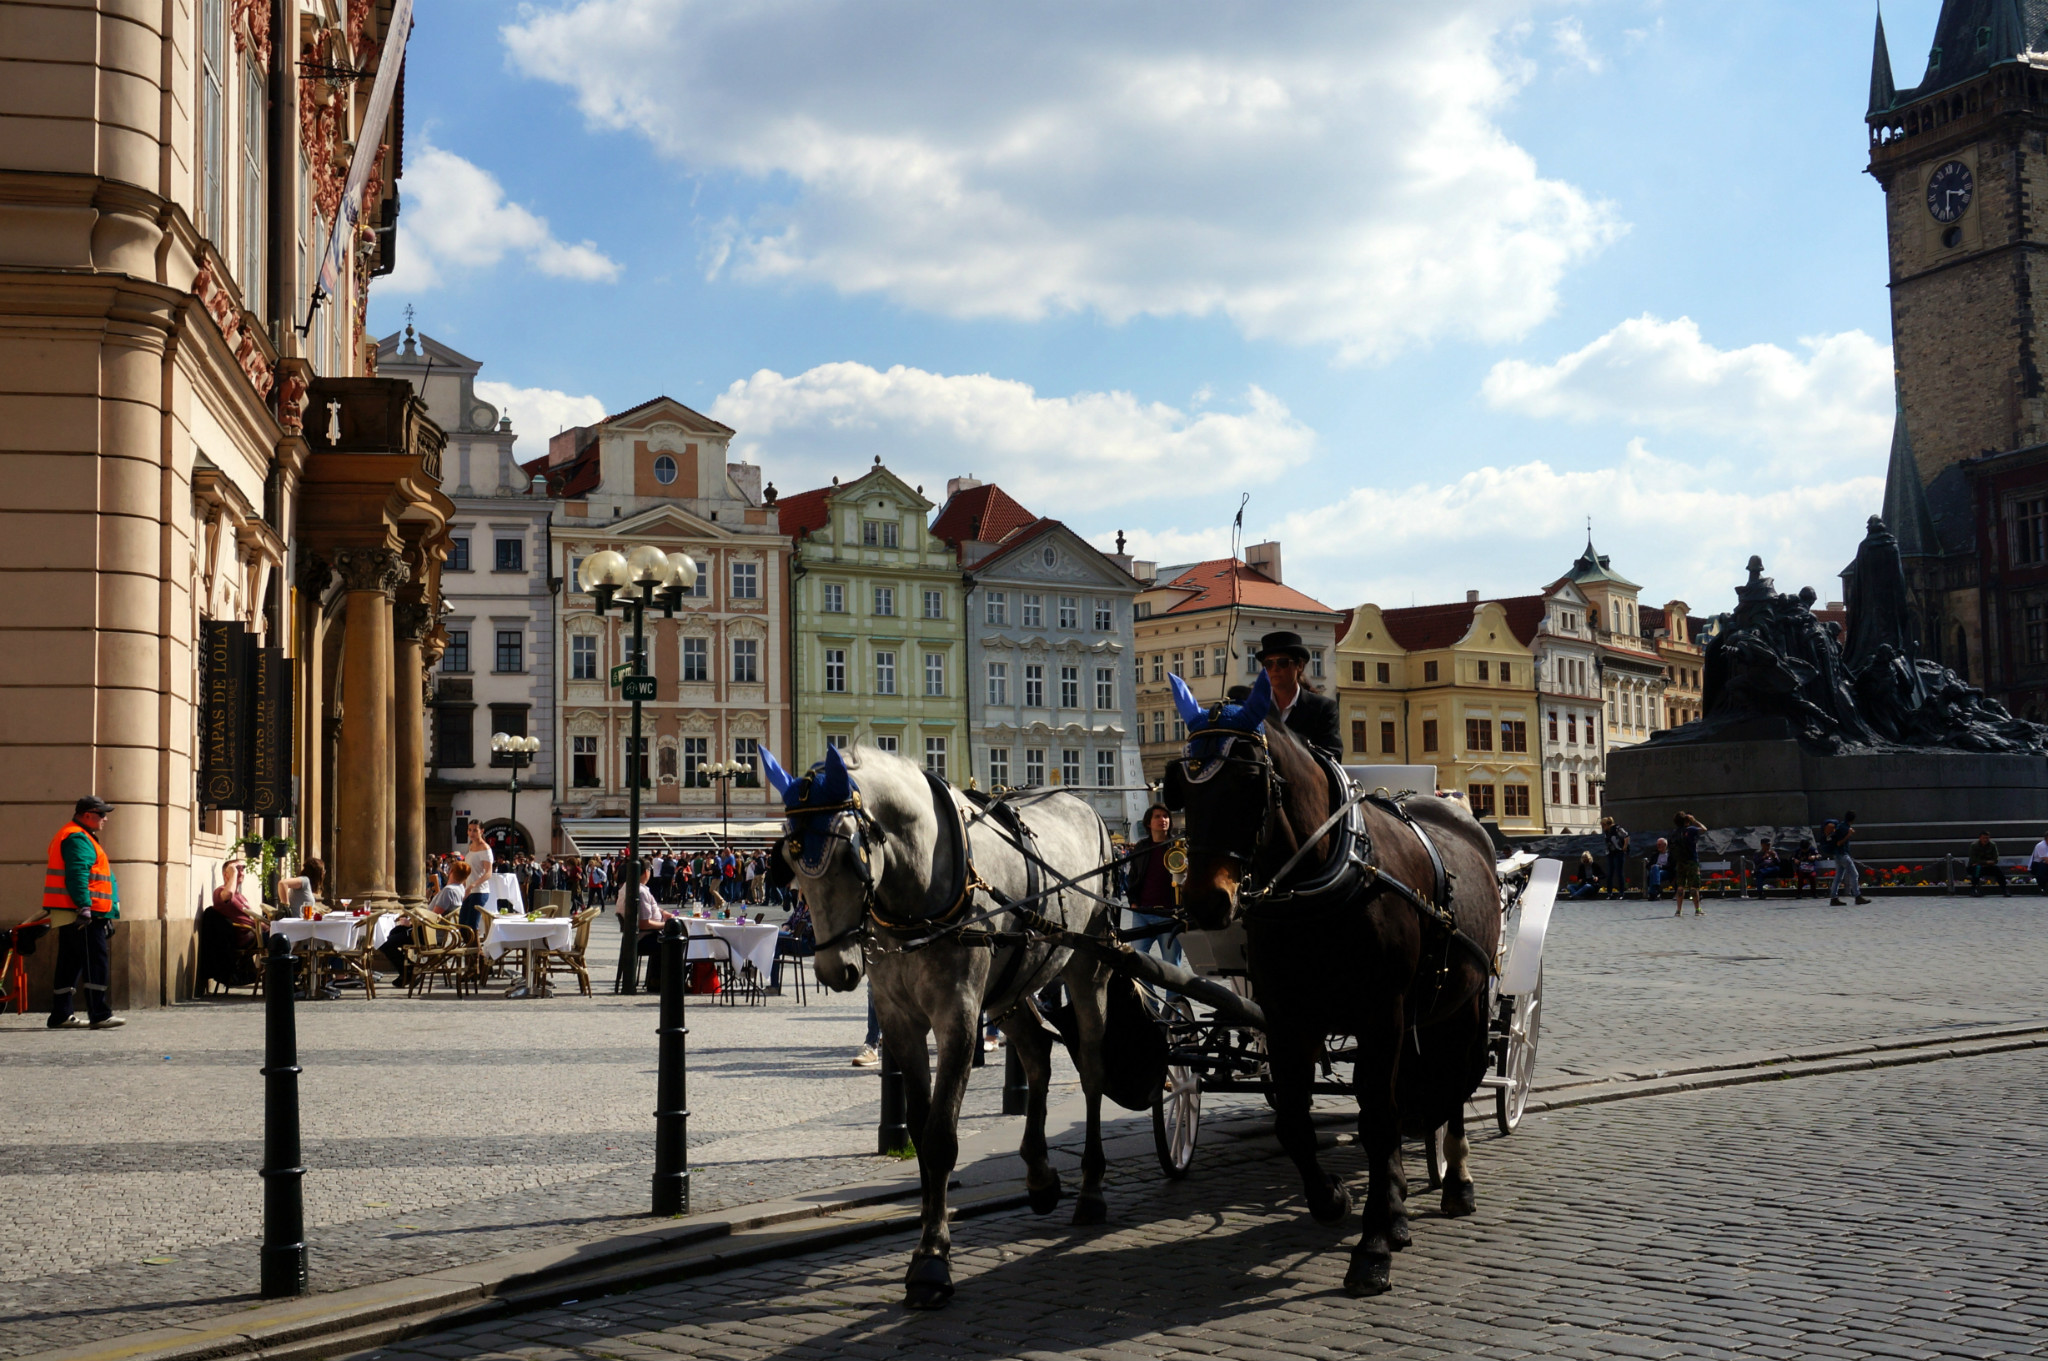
(1428, 628)
(985, 514)
(696, 418)
(1223, 582)
(1029, 534)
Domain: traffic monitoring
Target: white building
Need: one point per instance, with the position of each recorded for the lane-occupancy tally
(497, 668)
(1568, 718)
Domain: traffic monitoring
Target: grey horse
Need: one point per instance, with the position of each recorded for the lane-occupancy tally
(887, 857)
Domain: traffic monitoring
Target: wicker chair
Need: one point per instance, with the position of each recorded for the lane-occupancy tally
(571, 961)
(440, 949)
(359, 959)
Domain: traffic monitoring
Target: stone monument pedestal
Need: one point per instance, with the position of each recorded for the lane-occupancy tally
(1908, 804)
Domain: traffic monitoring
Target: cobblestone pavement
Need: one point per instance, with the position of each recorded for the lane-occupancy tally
(1879, 1215)
(440, 1132)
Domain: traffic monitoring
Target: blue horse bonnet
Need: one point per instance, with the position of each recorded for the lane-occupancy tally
(826, 786)
(1247, 717)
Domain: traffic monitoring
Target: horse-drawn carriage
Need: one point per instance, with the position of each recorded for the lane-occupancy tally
(1212, 1052)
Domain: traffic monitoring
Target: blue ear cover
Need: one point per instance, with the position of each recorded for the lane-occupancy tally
(1185, 702)
(778, 778)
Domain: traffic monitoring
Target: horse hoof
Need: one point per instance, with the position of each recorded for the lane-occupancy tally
(1400, 1235)
(1090, 1209)
(1369, 1276)
(1459, 1199)
(1336, 1208)
(1043, 1198)
(928, 1284)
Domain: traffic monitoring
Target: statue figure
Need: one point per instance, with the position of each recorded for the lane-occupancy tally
(1878, 613)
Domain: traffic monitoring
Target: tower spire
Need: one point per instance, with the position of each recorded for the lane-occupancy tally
(1906, 512)
(1882, 90)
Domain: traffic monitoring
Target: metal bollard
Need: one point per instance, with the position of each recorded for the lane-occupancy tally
(1016, 1087)
(892, 1135)
(283, 1258)
(671, 1102)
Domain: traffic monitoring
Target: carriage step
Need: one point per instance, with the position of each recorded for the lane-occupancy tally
(1491, 1080)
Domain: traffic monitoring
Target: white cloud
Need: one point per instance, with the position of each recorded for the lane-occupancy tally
(1680, 530)
(456, 219)
(1834, 401)
(1332, 175)
(1058, 455)
(538, 413)
(1569, 38)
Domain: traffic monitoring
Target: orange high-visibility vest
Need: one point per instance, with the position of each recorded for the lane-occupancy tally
(57, 896)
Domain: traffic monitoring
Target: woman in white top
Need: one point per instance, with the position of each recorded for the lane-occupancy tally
(480, 859)
(651, 920)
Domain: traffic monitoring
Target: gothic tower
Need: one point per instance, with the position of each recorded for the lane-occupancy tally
(1963, 161)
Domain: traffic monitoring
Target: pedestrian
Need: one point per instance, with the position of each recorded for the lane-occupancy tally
(1834, 842)
(1585, 877)
(83, 901)
(1983, 860)
(480, 861)
(1614, 837)
(1686, 831)
(870, 1053)
(2039, 864)
(1767, 865)
(1151, 892)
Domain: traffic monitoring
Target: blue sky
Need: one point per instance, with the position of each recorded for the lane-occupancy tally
(1432, 283)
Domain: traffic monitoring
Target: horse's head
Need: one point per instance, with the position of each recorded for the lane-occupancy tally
(1226, 785)
(836, 852)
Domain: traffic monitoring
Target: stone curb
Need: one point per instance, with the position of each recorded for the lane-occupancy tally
(324, 1325)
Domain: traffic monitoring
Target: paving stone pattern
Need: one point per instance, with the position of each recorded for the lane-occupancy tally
(1879, 1215)
(440, 1131)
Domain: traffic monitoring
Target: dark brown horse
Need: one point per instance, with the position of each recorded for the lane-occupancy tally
(1356, 939)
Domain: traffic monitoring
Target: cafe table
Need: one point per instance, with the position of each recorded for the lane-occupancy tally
(752, 943)
(315, 937)
(532, 936)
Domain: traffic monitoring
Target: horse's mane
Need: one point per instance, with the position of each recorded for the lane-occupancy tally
(1308, 788)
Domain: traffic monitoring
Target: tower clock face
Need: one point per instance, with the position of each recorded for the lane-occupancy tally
(1948, 191)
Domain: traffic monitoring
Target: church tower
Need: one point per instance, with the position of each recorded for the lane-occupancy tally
(1962, 158)
(1963, 161)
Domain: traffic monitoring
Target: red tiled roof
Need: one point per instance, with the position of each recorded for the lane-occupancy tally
(1344, 629)
(652, 401)
(571, 478)
(803, 512)
(1222, 582)
(1425, 628)
(986, 514)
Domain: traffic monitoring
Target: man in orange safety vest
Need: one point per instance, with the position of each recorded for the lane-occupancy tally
(83, 903)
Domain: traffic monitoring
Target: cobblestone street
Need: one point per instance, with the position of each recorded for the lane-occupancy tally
(441, 1132)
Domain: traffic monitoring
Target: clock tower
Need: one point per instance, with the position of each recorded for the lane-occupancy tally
(1963, 161)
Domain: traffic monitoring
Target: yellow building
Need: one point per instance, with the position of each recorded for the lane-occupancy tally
(1203, 623)
(1670, 631)
(1453, 686)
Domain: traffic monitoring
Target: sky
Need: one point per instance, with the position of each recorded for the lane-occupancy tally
(1432, 284)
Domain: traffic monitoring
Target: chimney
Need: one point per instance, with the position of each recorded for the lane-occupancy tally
(1147, 572)
(1471, 597)
(562, 447)
(956, 485)
(747, 477)
(1264, 558)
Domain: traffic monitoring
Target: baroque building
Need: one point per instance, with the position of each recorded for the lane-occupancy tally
(878, 612)
(1452, 686)
(1631, 673)
(497, 667)
(1962, 160)
(1049, 643)
(657, 474)
(225, 537)
(1202, 622)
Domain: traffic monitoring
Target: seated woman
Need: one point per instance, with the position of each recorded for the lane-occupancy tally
(1806, 870)
(446, 904)
(301, 891)
(231, 933)
(232, 902)
(1767, 866)
(1585, 878)
(651, 920)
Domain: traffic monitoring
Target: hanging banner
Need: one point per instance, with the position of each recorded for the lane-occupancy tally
(368, 142)
(224, 714)
(270, 766)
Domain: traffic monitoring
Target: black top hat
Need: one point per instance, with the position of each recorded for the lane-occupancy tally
(1284, 641)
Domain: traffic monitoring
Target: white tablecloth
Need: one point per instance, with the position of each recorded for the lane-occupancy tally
(750, 944)
(554, 933)
(336, 932)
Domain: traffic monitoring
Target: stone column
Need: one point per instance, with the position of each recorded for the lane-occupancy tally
(363, 759)
(412, 621)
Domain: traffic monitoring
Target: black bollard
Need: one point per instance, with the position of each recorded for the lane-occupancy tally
(892, 1135)
(284, 1209)
(671, 1108)
(1016, 1087)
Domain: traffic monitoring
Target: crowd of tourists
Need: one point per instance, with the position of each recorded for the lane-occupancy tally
(710, 879)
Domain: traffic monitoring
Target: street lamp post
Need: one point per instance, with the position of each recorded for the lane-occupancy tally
(518, 753)
(646, 576)
(725, 772)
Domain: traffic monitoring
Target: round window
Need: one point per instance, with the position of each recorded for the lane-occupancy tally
(664, 470)
(1052, 557)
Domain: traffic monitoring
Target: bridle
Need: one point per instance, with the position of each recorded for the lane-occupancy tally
(1236, 750)
(860, 833)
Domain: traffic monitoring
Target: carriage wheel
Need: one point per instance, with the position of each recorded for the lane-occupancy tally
(1176, 1120)
(1518, 1058)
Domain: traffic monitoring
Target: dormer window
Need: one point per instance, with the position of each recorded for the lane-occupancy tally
(664, 470)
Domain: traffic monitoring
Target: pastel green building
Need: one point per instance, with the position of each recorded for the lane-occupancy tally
(879, 647)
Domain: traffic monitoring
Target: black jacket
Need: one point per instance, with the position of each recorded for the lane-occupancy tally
(1314, 720)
